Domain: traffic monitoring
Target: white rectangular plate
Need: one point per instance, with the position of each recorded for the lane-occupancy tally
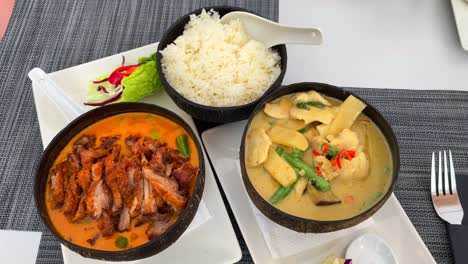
(460, 11)
(391, 222)
(377, 44)
(202, 244)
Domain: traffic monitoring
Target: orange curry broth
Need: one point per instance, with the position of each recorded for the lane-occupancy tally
(143, 124)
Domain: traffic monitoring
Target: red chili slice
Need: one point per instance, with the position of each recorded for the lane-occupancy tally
(319, 171)
(325, 148)
(316, 152)
(121, 72)
(338, 159)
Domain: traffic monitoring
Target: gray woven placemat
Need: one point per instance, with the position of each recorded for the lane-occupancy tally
(54, 35)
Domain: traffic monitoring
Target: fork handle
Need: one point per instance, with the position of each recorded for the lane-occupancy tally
(459, 241)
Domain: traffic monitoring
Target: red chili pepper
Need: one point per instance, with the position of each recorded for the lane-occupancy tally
(316, 152)
(352, 153)
(347, 154)
(333, 162)
(121, 72)
(338, 159)
(325, 148)
(319, 171)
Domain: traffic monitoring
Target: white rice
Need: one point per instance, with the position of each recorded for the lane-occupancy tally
(218, 64)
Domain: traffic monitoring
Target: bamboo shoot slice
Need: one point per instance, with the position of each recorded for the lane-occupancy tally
(279, 169)
(348, 112)
(288, 137)
(278, 110)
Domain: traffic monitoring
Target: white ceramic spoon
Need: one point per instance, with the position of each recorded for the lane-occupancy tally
(370, 248)
(271, 33)
(66, 105)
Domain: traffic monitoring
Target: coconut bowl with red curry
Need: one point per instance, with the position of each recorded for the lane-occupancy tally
(121, 182)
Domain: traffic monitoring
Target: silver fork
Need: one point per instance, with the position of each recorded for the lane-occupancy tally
(444, 191)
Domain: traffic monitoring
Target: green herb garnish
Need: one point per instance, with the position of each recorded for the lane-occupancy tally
(305, 105)
(182, 145)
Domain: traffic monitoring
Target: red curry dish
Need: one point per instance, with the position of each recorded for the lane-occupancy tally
(122, 181)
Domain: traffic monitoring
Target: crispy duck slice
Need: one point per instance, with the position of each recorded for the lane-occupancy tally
(156, 228)
(111, 160)
(98, 199)
(112, 180)
(58, 180)
(99, 196)
(126, 189)
(167, 187)
(108, 142)
(81, 211)
(135, 183)
(86, 141)
(184, 173)
(124, 219)
(72, 191)
(158, 223)
(105, 224)
(152, 144)
(133, 142)
(112, 171)
(84, 176)
(150, 199)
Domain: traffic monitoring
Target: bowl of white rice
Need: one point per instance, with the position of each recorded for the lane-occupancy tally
(215, 72)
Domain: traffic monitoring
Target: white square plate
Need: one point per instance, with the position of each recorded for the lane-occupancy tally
(202, 244)
(391, 222)
(460, 11)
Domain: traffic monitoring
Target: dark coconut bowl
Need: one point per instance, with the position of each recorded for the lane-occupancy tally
(304, 225)
(204, 112)
(61, 140)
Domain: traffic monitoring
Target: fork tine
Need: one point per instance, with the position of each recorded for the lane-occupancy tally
(439, 180)
(433, 176)
(446, 177)
(452, 174)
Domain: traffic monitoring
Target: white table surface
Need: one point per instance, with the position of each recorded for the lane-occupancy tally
(407, 44)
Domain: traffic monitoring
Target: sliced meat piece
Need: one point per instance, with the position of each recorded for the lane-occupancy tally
(159, 160)
(98, 199)
(124, 219)
(135, 183)
(152, 144)
(184, 173)
(158, 226)
(111, 160)
(175, 159)
(133, 142)
(96, 171)
(84, 176)
(81, 211)
(105, 224)
(72, 193)
(125, 188)
(150, 203)
(108, 142)
(112, 182)
(86, 141)
(58, 178)
(167, 187)
(74, 160)
(92, 154)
